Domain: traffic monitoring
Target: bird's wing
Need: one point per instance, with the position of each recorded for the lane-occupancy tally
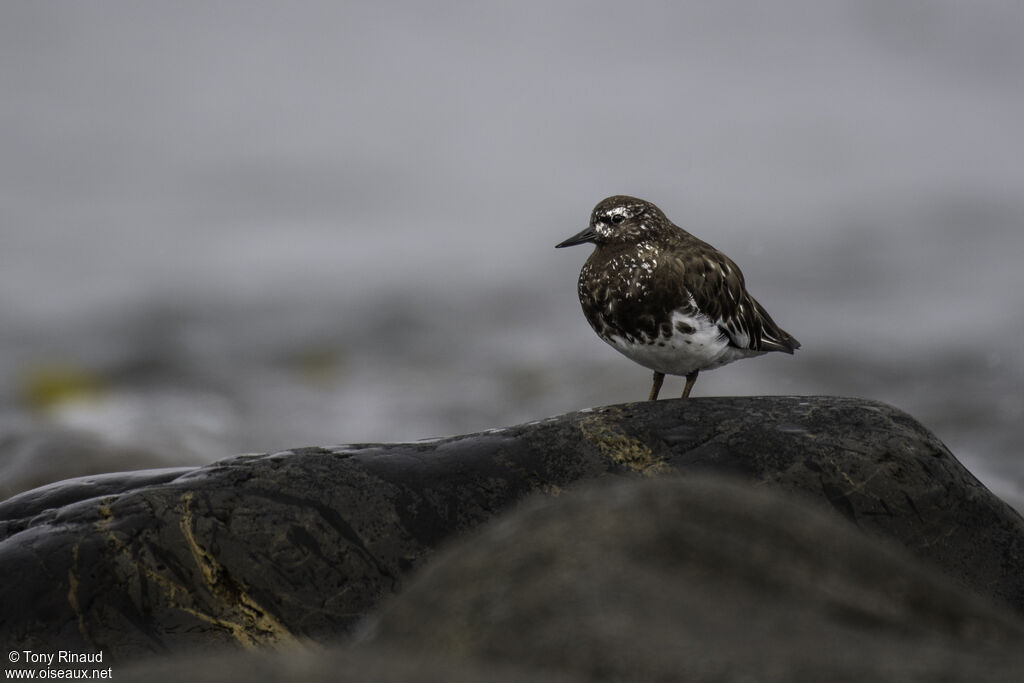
(716, 288)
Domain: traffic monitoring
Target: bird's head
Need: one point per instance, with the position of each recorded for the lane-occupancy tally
(620, 219)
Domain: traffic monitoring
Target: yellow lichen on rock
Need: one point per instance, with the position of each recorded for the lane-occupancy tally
(250, 623)
(625, 450)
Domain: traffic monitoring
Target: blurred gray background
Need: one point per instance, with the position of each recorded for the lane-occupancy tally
(243, 226)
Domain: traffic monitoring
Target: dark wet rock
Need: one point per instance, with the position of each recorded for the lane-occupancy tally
(692, 580)
(279, 548)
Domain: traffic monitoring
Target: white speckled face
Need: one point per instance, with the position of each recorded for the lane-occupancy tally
(606, 223)
(619, 214)
(622, 222)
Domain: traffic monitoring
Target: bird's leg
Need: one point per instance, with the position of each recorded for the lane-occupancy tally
(690, 380)
(659, 377)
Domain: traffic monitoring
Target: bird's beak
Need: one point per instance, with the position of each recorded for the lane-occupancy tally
(586, 235)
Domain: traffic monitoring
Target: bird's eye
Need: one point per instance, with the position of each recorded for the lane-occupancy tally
(618, 218)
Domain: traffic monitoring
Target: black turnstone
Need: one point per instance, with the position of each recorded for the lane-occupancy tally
(665, 299)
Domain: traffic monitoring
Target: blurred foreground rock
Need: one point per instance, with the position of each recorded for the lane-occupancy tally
(283, 548)
(695, 579)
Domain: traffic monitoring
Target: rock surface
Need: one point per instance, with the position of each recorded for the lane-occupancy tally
(280, 548)
(693, 580)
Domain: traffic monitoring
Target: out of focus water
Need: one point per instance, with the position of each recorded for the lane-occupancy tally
(240, 226)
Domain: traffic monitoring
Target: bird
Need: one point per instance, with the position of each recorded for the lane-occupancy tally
(666, 299)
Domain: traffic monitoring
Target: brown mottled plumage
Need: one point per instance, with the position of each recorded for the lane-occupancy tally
(667, 299)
